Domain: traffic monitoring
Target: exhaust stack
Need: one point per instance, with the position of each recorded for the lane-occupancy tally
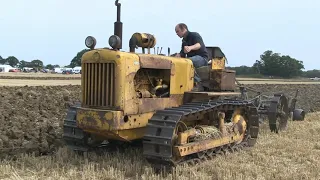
(118, 23)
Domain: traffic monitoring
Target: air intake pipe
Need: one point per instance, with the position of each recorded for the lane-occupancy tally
(143, 40)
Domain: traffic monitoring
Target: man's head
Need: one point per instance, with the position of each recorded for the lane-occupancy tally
(181, 29)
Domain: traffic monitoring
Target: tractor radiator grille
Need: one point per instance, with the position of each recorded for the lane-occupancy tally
(98, 84)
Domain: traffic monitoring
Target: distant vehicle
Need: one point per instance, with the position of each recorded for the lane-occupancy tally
(77, 70)
(58, 70)
(315, 78)
(14, 70)
(67, 72)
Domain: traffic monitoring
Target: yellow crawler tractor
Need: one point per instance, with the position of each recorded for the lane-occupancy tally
(129, 96)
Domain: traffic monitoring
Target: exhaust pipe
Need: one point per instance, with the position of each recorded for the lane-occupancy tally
(118, 23)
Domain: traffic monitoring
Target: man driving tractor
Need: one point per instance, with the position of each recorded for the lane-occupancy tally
(193, 47)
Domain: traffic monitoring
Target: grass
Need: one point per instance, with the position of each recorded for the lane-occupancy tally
(294, 154)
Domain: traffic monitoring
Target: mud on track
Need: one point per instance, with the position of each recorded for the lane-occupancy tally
(31, 117)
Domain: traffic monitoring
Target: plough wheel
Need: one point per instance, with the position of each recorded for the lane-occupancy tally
(278, 113)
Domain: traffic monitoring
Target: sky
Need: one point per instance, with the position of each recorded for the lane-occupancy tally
(54, 30)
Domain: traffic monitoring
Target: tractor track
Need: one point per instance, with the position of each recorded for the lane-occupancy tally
(157, 147)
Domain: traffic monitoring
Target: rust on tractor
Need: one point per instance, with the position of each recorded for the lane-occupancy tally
(154, 62)
(222, 80)
(99, 120)
(196, 96)
(153, 104)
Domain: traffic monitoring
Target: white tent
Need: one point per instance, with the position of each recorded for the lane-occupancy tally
(5, 68)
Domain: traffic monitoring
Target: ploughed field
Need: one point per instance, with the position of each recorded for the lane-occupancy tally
(39, 76)
(31, 119)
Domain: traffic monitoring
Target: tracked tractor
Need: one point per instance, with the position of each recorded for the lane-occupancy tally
(130, 96)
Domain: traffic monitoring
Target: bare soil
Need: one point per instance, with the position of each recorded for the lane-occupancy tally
(308, 95)
(31, 117)
(28, 82)
(273, 79)
(39, 76)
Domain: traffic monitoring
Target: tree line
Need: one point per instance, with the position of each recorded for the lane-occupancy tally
(270, 64)
(36, 64)
(273, 64)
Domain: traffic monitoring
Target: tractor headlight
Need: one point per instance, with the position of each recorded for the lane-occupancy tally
(115, 41)
(90, 42)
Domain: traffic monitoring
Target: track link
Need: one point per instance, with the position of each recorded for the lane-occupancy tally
(158, 140)
(79, 141)
(73, 136)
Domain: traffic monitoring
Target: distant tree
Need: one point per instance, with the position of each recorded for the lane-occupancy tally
(256, 68)
(2, 61)
(12, 61)
(273, 64)
(243, 70)
(76, 61)
(22, 64)
(49, 66)
(311, 73)
(37, 64)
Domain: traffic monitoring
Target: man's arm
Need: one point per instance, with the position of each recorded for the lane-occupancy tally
(197, 42)
(195, 47)
(192, 48)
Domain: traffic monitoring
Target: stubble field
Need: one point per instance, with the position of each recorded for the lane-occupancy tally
(31, 119)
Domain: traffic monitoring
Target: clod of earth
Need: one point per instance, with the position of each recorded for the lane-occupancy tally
(31, 117)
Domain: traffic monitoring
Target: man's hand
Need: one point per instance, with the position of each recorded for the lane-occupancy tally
(187, 49)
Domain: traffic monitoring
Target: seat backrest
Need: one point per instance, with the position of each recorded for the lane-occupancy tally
(216, 58)
(214, 52)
